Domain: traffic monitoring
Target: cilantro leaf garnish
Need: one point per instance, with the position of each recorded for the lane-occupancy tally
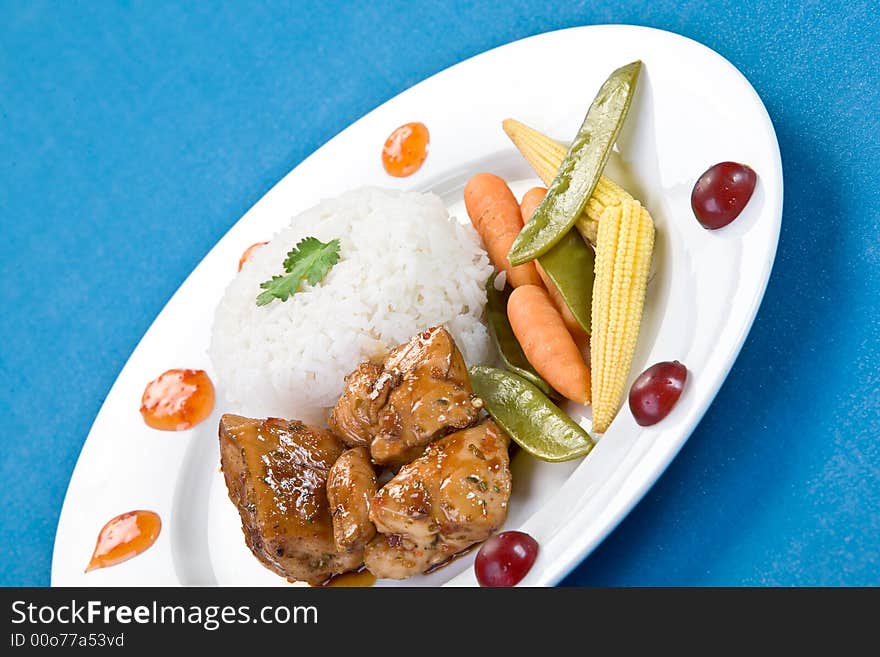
(309, 261)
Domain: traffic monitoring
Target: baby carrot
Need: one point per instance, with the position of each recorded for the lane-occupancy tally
(530, 200)
(546, 342)
(495, 215)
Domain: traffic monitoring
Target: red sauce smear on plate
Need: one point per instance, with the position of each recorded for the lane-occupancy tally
(124, 537)
(249, 253)
(406, 149)
(177, 400)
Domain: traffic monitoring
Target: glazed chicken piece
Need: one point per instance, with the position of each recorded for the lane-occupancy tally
(351, 485)
(357, 411)
(276, 473)
(451, 497)
(421, 393)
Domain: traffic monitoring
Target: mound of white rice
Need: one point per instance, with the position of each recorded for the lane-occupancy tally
(405, 266)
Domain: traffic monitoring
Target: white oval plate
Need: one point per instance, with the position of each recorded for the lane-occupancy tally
(693, 109)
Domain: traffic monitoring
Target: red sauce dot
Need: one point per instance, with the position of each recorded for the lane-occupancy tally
(125, 536)
(177, 400)
(406, 149)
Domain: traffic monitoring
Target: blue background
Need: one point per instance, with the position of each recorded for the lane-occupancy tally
(134, 134)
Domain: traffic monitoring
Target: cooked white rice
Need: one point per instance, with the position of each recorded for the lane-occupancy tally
(406, 266)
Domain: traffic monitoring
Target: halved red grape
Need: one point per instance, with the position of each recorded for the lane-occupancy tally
(721, 193)
(505, 559)
(656, 391)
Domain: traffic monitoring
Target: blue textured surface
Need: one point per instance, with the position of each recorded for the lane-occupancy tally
(132, 136)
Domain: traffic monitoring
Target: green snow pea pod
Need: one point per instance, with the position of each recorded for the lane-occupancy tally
(570, 265)
(581, 168)
(532, 421)
(509, 349)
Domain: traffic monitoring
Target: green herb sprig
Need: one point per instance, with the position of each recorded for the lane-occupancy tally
(310, 260)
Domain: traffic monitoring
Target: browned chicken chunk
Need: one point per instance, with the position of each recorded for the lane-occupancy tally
(451, 497)
(276, 472)
(420, 394)
(357, 410)
(351, 485)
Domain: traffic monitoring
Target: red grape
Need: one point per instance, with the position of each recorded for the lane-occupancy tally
(505, 559)
(721, 194)
(656, 391)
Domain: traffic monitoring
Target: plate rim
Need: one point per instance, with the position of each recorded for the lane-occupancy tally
(566, 561)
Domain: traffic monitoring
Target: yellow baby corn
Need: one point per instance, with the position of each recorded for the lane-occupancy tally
(623, 259)
(545, 155)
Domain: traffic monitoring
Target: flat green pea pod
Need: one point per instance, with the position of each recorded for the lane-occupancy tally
(581, 168)
(508, 347)
(570, 265)
(532, 421)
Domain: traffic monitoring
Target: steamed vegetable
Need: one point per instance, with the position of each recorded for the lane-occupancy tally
(533, 422)
(509, 349)
(569, 261)
(580, 170)
(495, 215)
(547, 344)
(309, 261)
(530, 201)
(545, 156)
(623, 260)
(569, 265)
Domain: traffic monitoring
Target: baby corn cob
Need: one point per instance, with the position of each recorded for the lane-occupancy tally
(623, 258)
(545, 155)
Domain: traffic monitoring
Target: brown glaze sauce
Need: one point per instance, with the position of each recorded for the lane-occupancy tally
(177, 400)
(364, 578)
(406, 149)
(460, 553)
(123, 537)
(360, 578)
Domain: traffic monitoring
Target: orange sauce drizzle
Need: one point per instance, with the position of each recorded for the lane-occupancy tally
(249, 252)
(177, 400)
(406, 149)
(125, 536)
